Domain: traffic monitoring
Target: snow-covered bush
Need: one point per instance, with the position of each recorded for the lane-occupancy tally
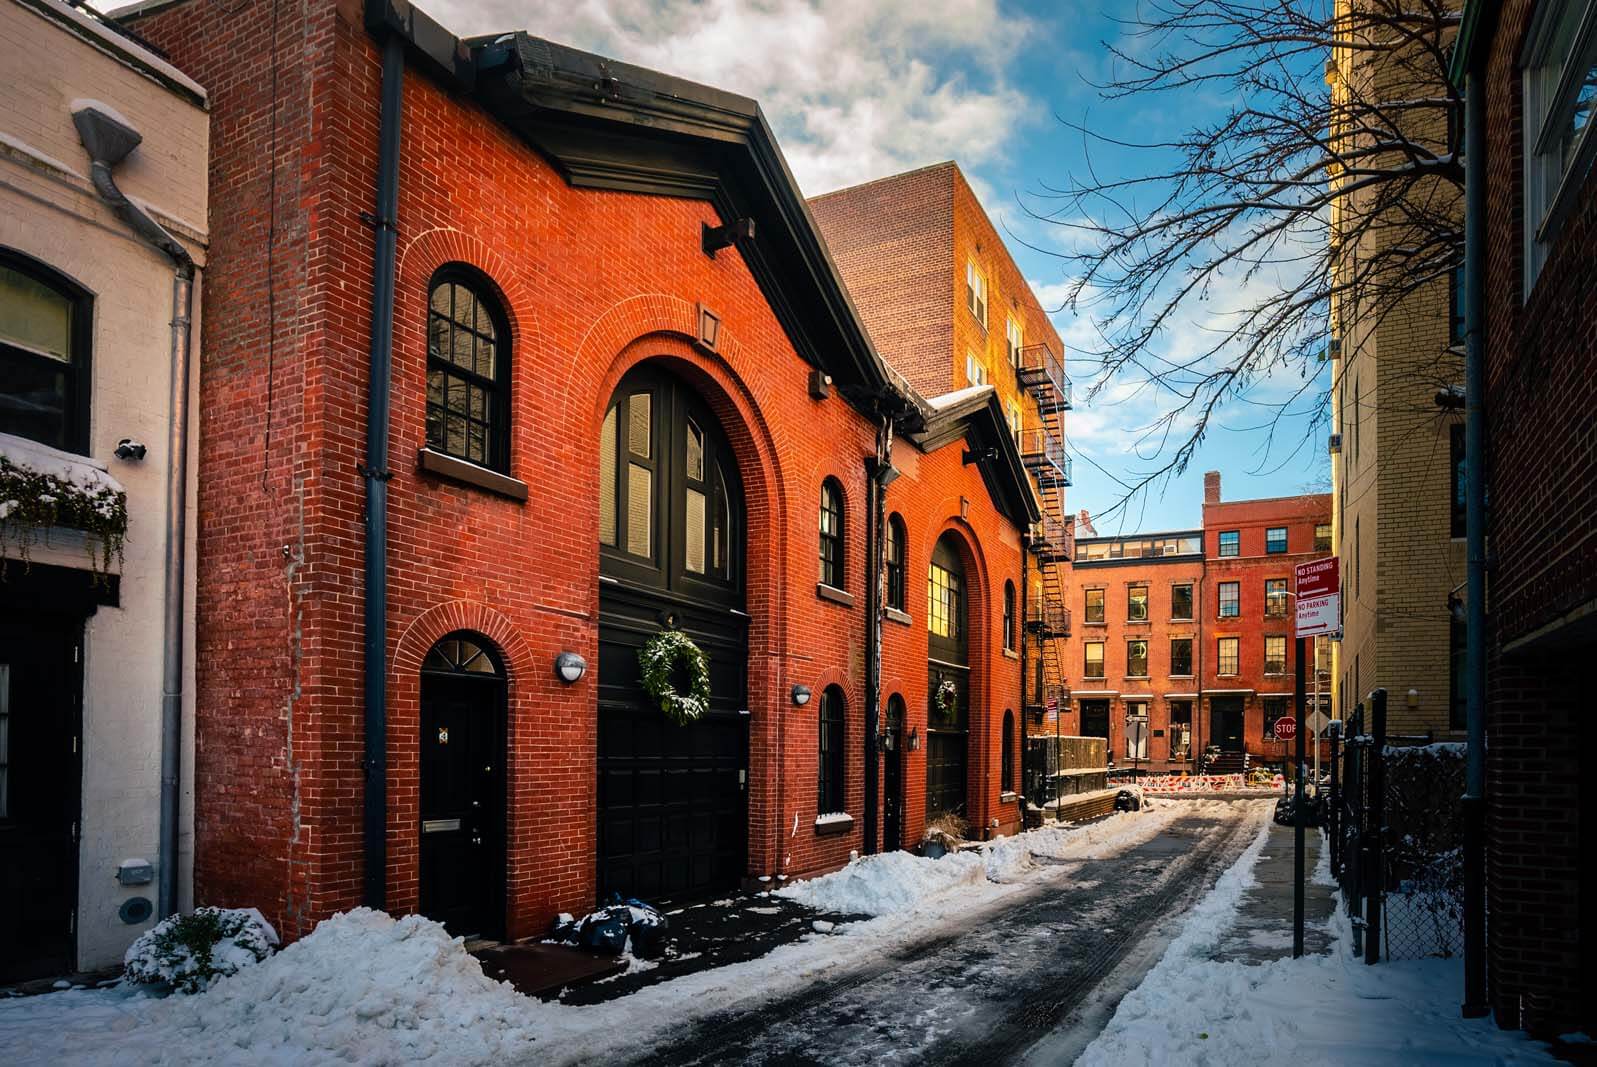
(189, 952)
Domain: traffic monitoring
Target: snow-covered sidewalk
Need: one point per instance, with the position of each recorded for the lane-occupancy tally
(367, 989)
(1331, 1009)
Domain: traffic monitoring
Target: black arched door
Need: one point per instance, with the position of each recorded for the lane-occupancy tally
(463, 787)
(948, 683)
(672, 809)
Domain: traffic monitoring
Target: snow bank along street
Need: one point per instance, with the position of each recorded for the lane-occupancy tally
(366, 988)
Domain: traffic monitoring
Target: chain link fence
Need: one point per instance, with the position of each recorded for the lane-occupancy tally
(1396, 834)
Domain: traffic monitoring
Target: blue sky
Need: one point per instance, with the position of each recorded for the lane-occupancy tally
(859, 89)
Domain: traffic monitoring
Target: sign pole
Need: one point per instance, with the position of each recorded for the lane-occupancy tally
(1298, 813)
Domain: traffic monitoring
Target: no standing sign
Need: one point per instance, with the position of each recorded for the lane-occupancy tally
(1319, 589)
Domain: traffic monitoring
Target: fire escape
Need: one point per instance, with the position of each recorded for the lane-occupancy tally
(1042, 448)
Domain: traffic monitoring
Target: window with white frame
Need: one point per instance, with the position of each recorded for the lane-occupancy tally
(975, 369)
(1560, 88)
(1015, 423)
(976, 292)
(1013, 338)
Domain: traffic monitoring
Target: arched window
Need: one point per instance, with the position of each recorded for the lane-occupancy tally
(832, 534)
(1006, 776)
(468, 370)
(461, 655)
(1009, 616)
(829, 732)
(897, 549)
(46, 323)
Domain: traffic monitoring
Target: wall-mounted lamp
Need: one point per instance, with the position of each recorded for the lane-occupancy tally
(886, 742)
(1413, 699)
(569, 667)
(130, 450)
(801, 695)
(914, 739)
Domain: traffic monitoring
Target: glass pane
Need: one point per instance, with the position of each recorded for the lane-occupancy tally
(34, 315)
(695, 452)
(476, 403)
(460, 345)
(485, 357)
(34, 399)
(640, 508)
(438, 337)
(477, 443)
(723, 518)
(607, 480)
(696, 527)
(455, 435)
(485, 322)
(638, 418)
(440, 300)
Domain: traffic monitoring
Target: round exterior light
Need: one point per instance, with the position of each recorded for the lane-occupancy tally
(801, 695)
(570, 667)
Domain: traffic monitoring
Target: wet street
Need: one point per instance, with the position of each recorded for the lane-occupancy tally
(1032, 979)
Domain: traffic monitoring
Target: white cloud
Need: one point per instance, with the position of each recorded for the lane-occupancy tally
(856, 89)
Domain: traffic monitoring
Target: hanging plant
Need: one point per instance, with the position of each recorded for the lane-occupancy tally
(658, 658)
(66, 492)
(947, 697)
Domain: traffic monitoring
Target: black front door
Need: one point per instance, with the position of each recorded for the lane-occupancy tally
(672, 798)
(462, 790)
(1228, 718)
(947, 740)
(1095, 718)
(893, 779)
(40, 702)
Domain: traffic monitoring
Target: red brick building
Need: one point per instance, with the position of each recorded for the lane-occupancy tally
(1250, 656)
(1183, 639)
(1527, 68)
(628, 388)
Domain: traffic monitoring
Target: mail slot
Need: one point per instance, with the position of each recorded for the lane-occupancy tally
(433, 826)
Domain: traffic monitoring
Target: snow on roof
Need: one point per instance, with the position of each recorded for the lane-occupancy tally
(958, 396)
(73, 469)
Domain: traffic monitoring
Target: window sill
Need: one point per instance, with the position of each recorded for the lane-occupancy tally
(1134, 677)
(1187, 677)
(836, 596)
(1008, 796)
(1010, 653)
(832, 826)
(1138, 622)
(900, 617)
(1089, 622)
(1186, 620)
(459, 470)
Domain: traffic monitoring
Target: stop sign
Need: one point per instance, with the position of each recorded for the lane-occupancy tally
(1286, 729)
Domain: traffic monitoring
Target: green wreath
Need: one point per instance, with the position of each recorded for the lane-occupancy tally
(658, 658)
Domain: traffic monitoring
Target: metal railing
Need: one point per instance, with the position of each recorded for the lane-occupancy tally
(1048, 616)
(1053, 538)
(1043, 452)
(1043, 372)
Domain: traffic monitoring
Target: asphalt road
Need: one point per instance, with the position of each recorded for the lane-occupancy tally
(1032, 979)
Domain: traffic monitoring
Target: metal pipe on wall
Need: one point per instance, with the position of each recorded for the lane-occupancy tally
(109, 140)
(375, 472)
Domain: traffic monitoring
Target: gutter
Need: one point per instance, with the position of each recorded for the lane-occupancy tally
(109, 140)
(376, 473)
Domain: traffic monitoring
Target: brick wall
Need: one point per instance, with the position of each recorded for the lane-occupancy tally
(593, 283)
(1542, 470)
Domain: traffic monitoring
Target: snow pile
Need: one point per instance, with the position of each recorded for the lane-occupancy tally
(1317, 1010)
(374, 988)
(887, 882)
(189, 952)
(78, 471)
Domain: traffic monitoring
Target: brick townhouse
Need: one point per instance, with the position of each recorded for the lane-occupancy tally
(1183, 640)
(628, 394)
(1527, 69)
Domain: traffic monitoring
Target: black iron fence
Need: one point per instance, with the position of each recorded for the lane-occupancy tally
(1395, 835)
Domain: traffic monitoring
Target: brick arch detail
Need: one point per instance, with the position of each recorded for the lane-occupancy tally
(404, 732)
(420, 257)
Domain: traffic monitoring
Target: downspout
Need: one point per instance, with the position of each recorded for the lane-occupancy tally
(109, 140)
(878, 472)
(1025, 644)
(1474, 801)
(376, 474)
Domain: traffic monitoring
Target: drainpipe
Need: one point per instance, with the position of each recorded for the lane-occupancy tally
(109, 140)
(376, 474)
(1474, 802)
(878, 472)
(1025, 644)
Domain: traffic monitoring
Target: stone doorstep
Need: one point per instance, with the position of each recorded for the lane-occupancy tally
(542, 971)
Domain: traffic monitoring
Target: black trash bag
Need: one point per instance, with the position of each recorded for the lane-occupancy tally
(647, 930)
(565, 930)
(604, 931)
(1126, 800)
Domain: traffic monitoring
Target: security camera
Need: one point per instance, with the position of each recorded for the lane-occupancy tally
(129, 449)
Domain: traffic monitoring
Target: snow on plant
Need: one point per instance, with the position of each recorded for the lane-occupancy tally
(947, 830)
(42, 487)
(658, 658)
(189, 952)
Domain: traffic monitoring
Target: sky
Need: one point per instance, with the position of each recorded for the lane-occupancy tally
(860, 89)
